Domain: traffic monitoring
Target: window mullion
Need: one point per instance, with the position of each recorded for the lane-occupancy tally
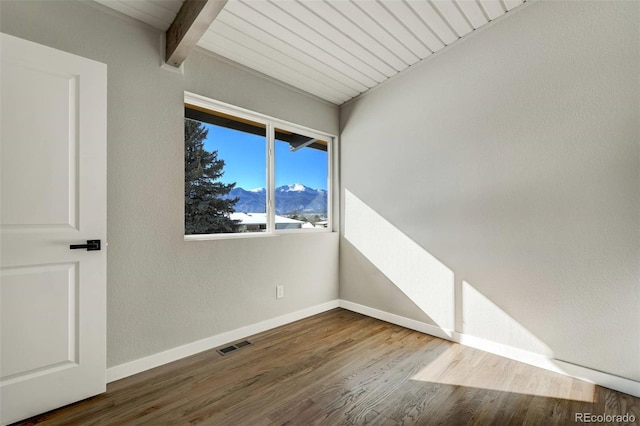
(271, 221)
(331, 170)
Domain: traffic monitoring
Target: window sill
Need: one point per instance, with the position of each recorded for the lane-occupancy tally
(210, 237)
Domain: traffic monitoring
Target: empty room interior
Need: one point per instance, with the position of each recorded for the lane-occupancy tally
(424, 212)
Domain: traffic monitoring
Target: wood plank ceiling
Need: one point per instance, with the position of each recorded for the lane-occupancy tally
(334, 49)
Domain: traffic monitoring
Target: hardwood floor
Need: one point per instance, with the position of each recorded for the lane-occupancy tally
(340, 368)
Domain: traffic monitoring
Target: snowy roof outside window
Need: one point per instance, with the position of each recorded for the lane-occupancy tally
(260, 219)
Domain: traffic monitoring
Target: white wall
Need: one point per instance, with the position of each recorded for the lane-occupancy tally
(513, 159)
(162, 291)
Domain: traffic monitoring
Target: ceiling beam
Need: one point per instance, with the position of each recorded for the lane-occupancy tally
(191, 22)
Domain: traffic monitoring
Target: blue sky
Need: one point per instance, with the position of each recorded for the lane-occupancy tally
(244, 155)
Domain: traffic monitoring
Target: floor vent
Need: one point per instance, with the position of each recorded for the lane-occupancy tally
(234, 347)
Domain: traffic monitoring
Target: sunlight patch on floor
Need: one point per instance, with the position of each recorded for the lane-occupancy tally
(463, 366)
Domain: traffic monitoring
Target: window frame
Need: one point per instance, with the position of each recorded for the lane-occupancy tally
(270, 123)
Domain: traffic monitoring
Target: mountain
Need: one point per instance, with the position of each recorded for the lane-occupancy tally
(253, 201)
(294, 198)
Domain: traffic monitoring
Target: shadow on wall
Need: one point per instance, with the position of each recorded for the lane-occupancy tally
(427, 282)
(431, 285)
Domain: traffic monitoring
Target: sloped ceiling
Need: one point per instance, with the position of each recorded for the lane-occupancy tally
(334, 49)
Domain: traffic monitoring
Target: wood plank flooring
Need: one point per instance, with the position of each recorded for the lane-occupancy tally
(342, 368)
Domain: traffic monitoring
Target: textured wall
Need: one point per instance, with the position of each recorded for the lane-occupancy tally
(513, 158)
(162, 291)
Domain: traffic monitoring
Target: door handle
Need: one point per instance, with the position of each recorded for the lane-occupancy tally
(91, 245)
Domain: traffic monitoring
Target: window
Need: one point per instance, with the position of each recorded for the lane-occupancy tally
(246, 173)
(301, 180)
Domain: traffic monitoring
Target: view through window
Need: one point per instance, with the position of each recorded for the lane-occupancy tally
(301, 178)
(244, 176)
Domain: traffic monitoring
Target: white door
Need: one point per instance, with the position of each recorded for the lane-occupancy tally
(53, 195)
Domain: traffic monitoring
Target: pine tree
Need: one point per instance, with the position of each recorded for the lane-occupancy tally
(205, 209)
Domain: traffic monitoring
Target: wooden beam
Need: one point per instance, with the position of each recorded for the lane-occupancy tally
(191, 22)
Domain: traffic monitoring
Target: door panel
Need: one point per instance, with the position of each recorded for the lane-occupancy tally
(49, 196)
(53, 194)
(51, 289)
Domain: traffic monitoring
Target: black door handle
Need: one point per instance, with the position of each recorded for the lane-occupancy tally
(91, 245)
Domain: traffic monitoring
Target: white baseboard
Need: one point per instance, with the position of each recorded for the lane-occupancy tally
(422, 327)
(586, 374)
(139, 365)
(611, 381)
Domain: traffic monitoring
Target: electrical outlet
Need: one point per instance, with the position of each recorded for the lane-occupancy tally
(279, 291)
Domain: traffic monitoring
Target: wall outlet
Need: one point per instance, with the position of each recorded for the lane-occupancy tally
(279, 291)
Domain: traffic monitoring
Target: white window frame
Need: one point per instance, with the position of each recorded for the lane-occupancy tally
(270, 124)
